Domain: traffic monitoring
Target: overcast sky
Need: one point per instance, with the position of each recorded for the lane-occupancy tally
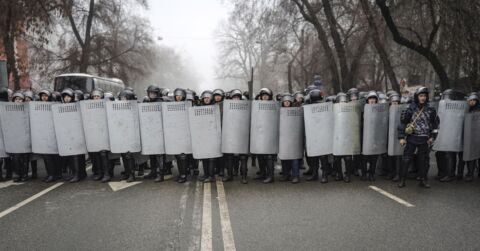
(188, 26)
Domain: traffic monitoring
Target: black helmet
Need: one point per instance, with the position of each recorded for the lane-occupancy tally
(353, 92)
(420, 90)
(236, 92)
(18, 94)
(315, 96)
(331, 99)
(4, 94)
(68, 92)
(310, 88)
(165, 92)
(97, 92)
(391, 92)
(46, 93)
(341, 98)
(126, 94)
(56, 96)
(145, 99)
(267, 92)
(155, 89)
(180, 92)
(246, 94)
(28, 94)
(78, 95)
(278, 97)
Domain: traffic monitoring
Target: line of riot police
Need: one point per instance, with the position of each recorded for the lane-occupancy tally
(350, 134)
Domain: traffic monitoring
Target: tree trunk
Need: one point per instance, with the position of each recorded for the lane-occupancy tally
(85, 59)
(9, 43)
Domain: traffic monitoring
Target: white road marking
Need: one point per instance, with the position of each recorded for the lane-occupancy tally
(195, 239)
(227, 234)
(119, 185)
(10, 183)
(391, 196)
(25, 202)
(206, 242)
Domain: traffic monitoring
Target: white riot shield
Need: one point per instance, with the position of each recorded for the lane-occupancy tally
(346, 134)
(16, 127)
(95, 125)
(319, 126)
(3, 152)
(291, 133)
(264, 127)
(151, 128)
(123, 126)
(69, 129)
(471, 137)
(206, 131)
(176, 129)
(394, 147)
(375, 129)
(450, 134)
(236, 126)
(42, 130)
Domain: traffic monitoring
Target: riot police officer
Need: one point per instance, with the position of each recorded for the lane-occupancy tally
(348, 159)
(5, 162)
(370, 161)
(157, 172)
(473, 106)
(417, 130)
(290, 167)
(266, 161)
(19, 160)
(180, 95)
(394, 162)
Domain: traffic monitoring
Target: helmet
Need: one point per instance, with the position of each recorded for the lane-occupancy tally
(28, 94)
(278, 97)
(56, 96)
(97, 92)
(78, 95)
(219, 92)
(315, 96)
(236, 92)
(447, 94)
(46, 93)
(298, 94)
(310, 88)
(394, 97)
(145, 99)
(473, 96)
(341, 98)
(165, 92)
(4, 94)
(18, 94)
(372, 94)
(109, 96)
(353, 92)
(331, 99)
(154, 88)
(266, 91)
(246, 94)
(287, 97)
(180, 92)
(127, 94)
(68, 92)
(206, 94)
(420, 90)
(190, 95)
(391, 92)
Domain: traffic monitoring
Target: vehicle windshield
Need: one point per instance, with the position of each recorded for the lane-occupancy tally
(75, 82)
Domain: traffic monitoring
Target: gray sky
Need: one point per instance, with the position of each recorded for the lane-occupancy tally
(188, 26)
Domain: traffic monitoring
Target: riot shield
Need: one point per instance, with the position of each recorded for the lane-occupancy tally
(176, 129)
(151, 128)
(3, 152)
(291, 133)
(123, 126)
(264, 127)
(236, 126)
(394, 147)
(319, 125)
(450, 134)
(471, 137)
(16, 127)
(94, 116)
(69, 129)
(375, 129)
(42, 130)
(206, 131)
(346, 134)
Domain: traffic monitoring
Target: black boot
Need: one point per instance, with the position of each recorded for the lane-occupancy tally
(404, 171)
(182, 168)
(107, 167)
(423, 183)
(324, 177)
(161, 169)
(75, 166)
(131, 169)
(270, 171)
(314, 176)
(285, 172)
(243, 168)
(153, 168)
(211, 171)
(470, 169)
(229, 162)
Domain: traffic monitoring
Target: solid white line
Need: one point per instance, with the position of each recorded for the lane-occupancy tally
(227, 234)
(196, 219)
(391, 196)
(25, 202)
(206, 243)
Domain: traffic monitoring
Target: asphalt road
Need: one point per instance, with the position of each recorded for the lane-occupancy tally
(281, 216)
